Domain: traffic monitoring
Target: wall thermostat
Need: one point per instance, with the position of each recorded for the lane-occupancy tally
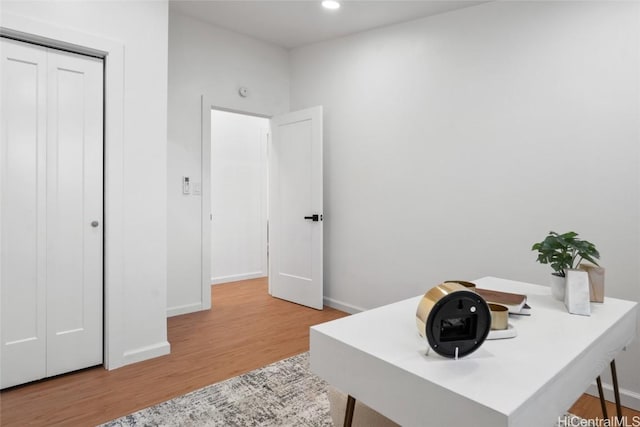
(186, 185)
(243, 91)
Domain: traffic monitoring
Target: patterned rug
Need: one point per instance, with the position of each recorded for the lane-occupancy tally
(284, 393)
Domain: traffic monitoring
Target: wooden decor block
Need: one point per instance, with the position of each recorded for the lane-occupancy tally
(596, 281)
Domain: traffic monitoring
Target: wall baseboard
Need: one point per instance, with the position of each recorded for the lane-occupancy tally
(237, 277)
(184, 309)
(342, 306)
(628, 398)
(146, 352)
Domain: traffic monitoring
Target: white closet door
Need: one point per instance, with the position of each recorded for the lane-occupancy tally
(23, 214)
(51, 212)
(74, 212)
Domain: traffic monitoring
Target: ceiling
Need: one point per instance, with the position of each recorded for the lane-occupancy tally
(294, 23)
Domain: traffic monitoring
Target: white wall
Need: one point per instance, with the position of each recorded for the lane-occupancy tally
(140, 28)
(238, 196)
(204, 59)
(453, 143)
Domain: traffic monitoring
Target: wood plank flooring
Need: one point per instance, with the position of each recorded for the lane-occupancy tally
(245, 329)
(589, 407)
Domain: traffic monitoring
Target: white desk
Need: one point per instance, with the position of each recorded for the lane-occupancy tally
(378, 357)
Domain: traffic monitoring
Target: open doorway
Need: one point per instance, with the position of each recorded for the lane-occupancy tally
(239, 185)
(293, 193)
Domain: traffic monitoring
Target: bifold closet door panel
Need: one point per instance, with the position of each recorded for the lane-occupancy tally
(23, 154)
(74, 212)
(51, 225)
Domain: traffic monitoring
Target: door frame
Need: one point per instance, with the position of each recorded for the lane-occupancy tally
(206, 105)
(43, 33)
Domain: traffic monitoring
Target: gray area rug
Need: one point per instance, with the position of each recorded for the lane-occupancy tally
(284, 393)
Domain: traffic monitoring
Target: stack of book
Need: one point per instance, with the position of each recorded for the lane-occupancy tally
(516, 303)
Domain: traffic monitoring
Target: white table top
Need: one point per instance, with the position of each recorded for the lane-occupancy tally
(378, 357)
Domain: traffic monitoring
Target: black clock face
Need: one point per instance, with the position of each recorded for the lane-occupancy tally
(458, 324)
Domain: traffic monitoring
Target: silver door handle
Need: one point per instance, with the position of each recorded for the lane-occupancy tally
(95, 223)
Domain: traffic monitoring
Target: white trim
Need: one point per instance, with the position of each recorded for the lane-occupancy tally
(36, 31)
(184, 309)
(236, 277)
(628, 398)
(205, 200)
(146, 352)
(342, 306)
(206, 105)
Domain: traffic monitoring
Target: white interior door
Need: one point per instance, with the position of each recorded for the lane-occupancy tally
(51, 212)
(295, 207)
(74, 212)
(23, 267)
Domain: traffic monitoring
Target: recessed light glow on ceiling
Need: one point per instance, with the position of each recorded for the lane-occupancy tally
(331, 4)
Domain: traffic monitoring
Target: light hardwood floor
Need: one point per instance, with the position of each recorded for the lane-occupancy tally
(245, 329)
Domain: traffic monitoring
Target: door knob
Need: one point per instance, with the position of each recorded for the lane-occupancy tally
(95, 223)
(314, 217)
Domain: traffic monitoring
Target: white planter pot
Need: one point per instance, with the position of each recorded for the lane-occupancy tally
(558, 286)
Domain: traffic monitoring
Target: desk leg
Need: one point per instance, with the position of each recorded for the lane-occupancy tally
(348, 415)
(616, 390)
(603, 402)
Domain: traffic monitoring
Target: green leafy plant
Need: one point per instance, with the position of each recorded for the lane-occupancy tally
(565, 251)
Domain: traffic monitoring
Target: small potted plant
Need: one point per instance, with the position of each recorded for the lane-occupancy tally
(564, 252)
